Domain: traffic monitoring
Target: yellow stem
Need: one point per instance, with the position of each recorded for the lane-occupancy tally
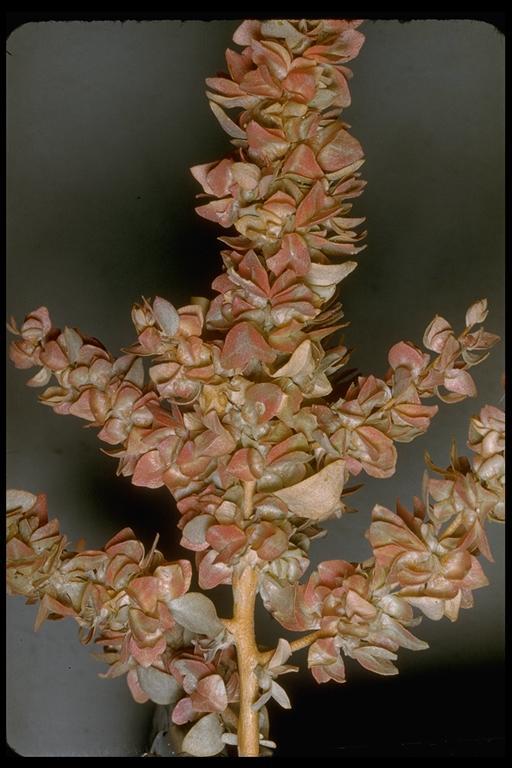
(249, 487)
(245, 586)
(303, 642)
(241, 626)
(453, 526)
(295, 645)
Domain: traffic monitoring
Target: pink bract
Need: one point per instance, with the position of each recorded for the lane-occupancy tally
(238, 419)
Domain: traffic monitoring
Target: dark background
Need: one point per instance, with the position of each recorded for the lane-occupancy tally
(104, 120)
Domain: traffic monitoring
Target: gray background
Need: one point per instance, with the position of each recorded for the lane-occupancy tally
(104, 120)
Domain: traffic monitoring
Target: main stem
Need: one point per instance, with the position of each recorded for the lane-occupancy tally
(245, 586)
(241, 626)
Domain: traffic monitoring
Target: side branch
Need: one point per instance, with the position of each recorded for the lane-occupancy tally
(296, 645)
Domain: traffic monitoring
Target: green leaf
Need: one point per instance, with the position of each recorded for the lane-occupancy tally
(205, 737)
(159, 686)
(197, 613)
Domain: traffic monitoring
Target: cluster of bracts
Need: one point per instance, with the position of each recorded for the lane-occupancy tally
(171, 643)
(235, 408)
(235, 430)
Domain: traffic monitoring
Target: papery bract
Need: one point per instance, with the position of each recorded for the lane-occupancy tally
(244, 413)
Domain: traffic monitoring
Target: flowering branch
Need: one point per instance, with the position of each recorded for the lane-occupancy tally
(426, 559)
(236, 421)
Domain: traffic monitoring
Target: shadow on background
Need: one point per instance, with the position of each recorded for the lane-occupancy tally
(430, 715)
(426, 715)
